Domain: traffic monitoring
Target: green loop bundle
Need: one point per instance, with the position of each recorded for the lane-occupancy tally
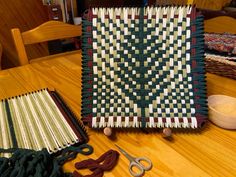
(30, 163)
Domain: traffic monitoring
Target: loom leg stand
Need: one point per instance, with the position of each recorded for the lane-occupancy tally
(107, 131)
(166, 132)
(110, 133)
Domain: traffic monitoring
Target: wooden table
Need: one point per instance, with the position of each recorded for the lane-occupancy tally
(210, 152)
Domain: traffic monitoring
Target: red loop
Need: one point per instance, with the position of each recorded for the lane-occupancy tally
(104, 163)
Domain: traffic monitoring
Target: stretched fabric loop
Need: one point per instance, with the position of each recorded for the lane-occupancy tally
(25, 162)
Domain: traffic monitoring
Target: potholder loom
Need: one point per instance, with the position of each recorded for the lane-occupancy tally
(143, 67)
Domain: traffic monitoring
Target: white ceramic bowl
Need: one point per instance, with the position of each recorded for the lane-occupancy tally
(222, 111)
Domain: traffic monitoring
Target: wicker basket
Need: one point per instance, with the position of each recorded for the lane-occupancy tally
(220, 66)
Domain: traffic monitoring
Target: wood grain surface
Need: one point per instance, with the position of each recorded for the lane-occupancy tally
(203, 153)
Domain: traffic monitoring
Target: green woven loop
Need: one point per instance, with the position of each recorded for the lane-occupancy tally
(85, 70)
(24, 162)
(201, 86)
(11, 126)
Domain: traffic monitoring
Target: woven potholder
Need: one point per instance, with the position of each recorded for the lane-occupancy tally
(143, 67)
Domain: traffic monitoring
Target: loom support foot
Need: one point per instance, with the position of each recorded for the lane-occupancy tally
(107, 131)
(167, 132)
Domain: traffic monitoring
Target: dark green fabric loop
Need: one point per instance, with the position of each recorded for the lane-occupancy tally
(30, 163)
(11, 126)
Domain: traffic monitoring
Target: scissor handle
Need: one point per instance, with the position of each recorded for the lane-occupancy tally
(145, 167)
(140, 168)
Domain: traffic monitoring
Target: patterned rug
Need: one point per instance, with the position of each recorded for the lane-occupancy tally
(143, 67)
(221, 44)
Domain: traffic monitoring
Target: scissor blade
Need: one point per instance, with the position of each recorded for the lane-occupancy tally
(125, 153)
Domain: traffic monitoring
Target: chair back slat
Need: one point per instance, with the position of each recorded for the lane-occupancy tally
(48, 31)
(51, 30)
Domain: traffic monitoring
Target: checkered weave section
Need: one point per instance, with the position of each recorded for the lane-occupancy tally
(143, 68)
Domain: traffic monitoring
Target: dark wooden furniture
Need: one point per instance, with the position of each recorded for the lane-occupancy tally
(24, 14)
(54, 12)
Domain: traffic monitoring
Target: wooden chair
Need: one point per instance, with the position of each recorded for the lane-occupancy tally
(48, 31)
(1, 56)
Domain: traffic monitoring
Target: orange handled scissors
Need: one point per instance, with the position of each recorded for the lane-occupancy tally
(136, 162)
